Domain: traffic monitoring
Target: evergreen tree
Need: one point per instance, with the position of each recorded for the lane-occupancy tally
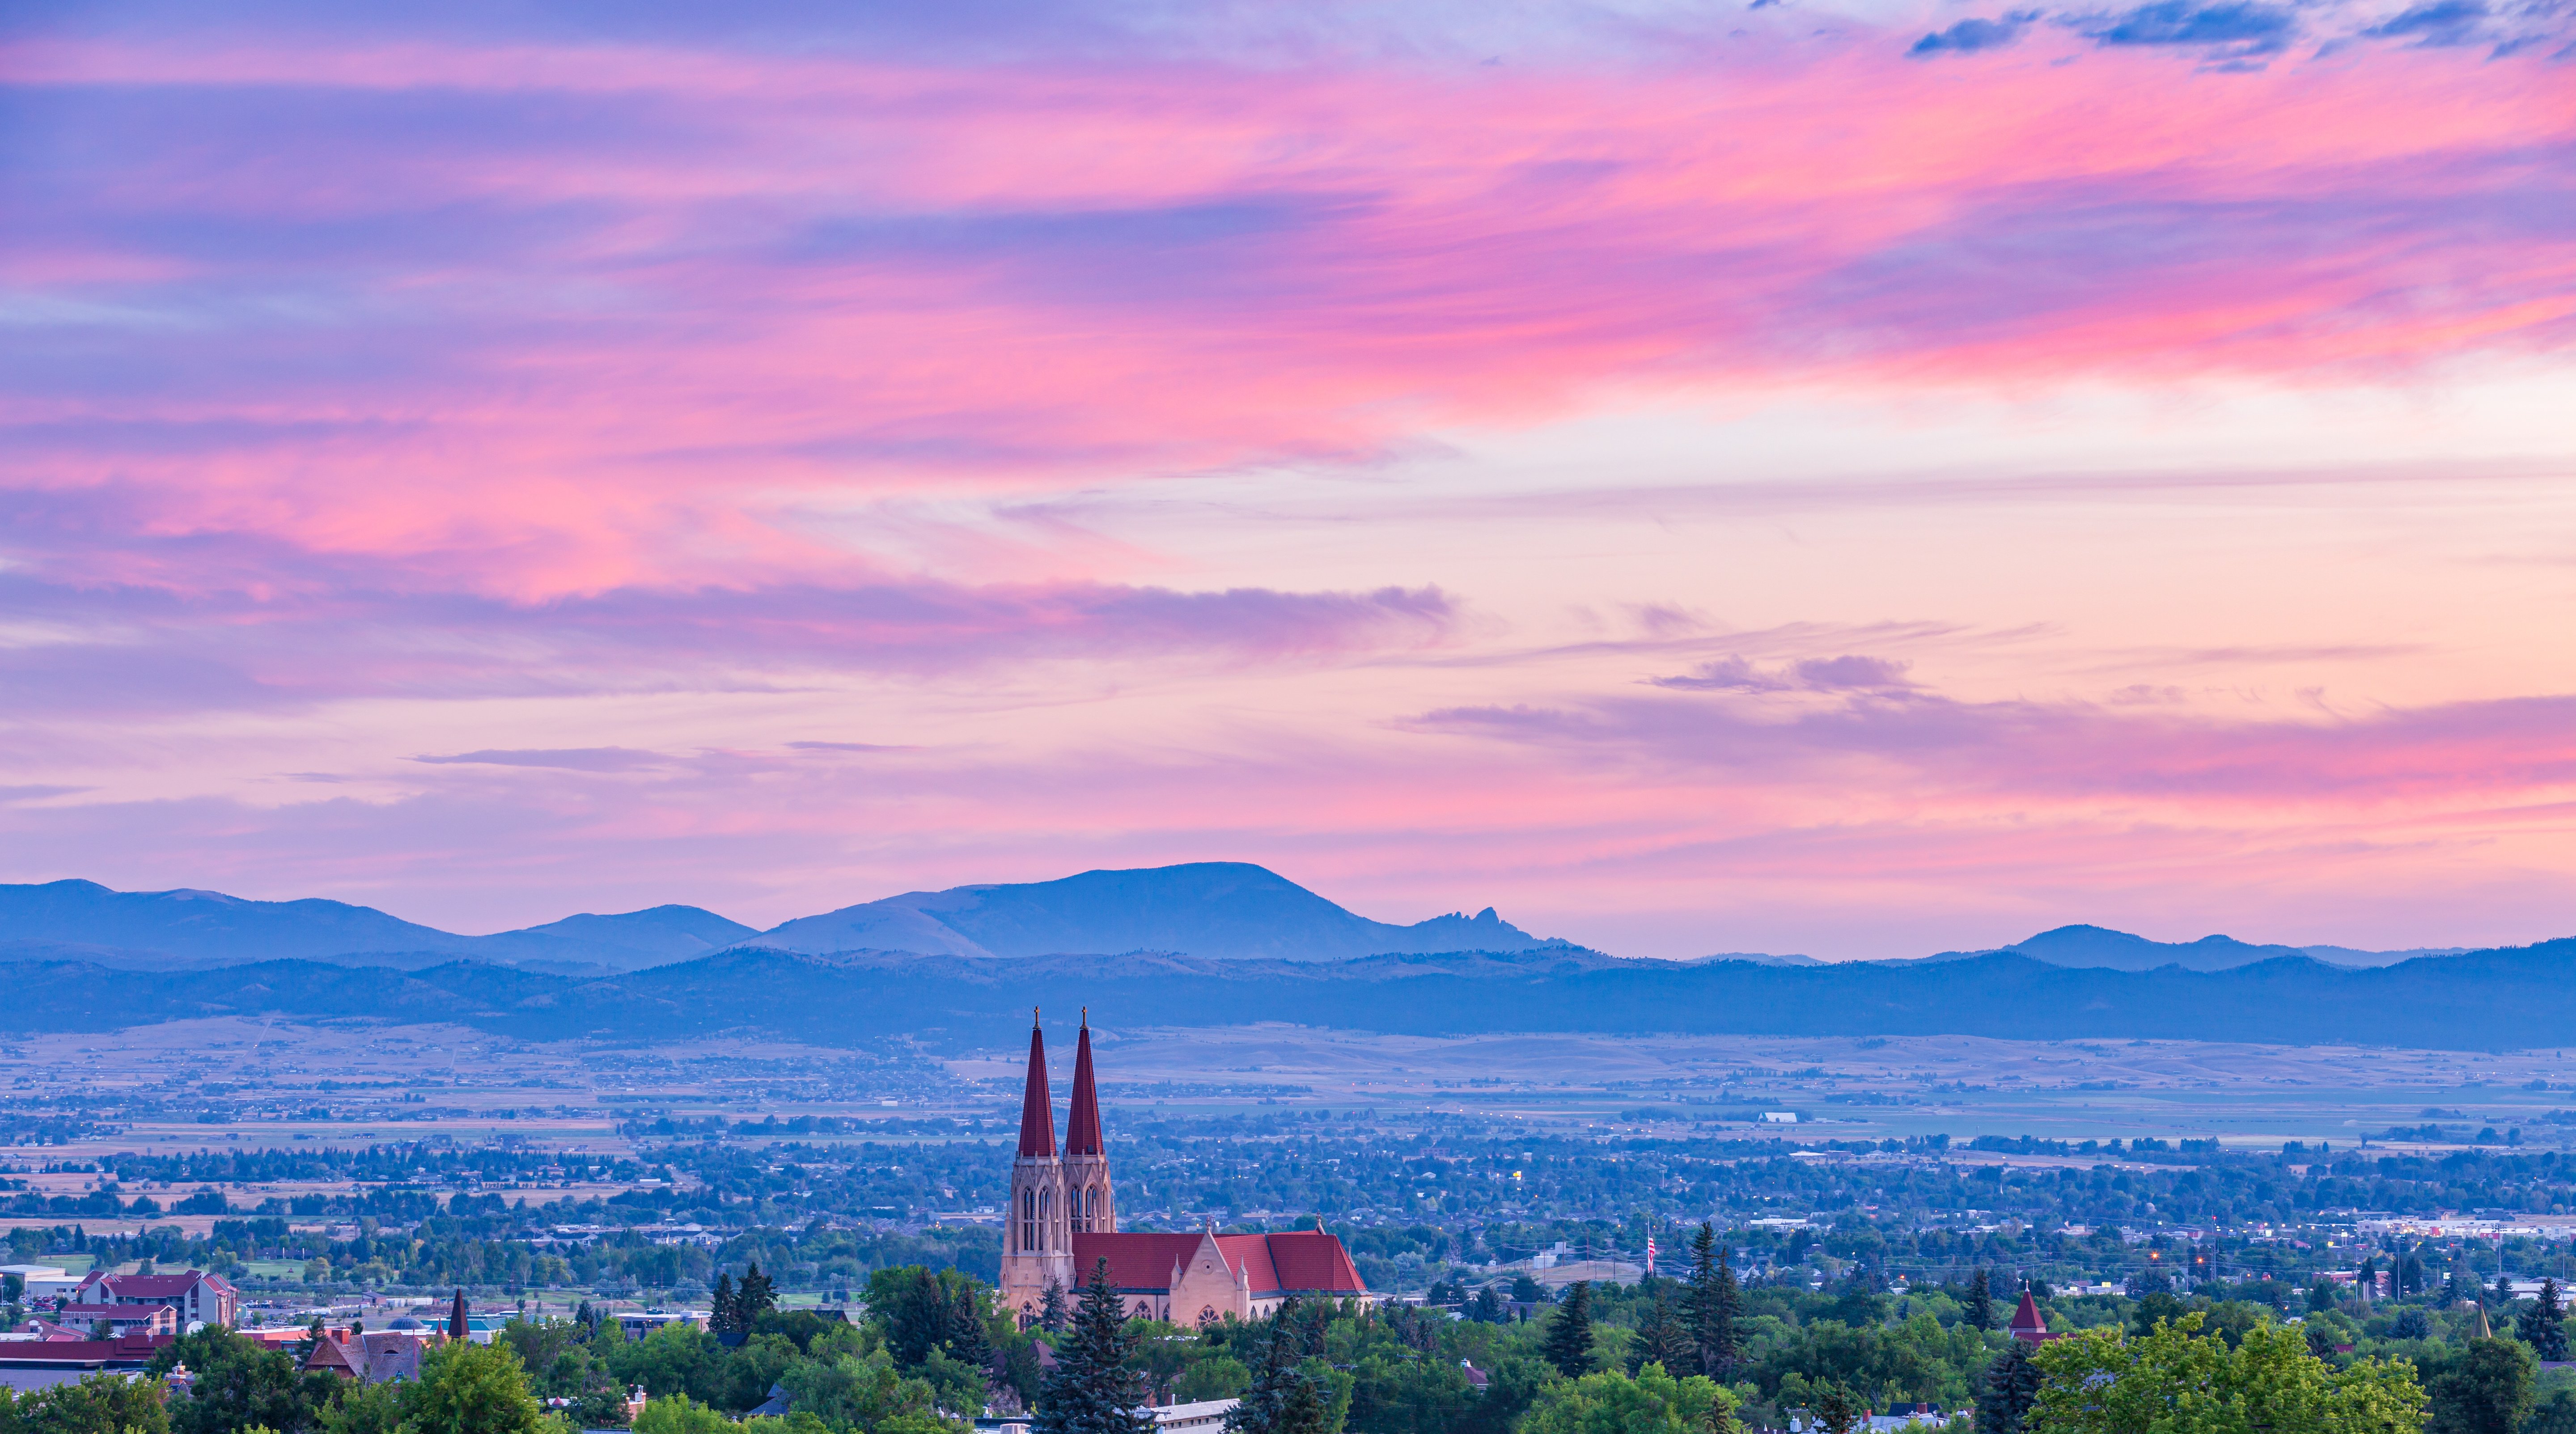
(921, 1319)
(1092, 1391)
(722, 1318)
(1839, 1410)
(1569, 1333)
(2006, 1391)
(968, 1338)
(1663, 1339)
(1489, 1307)
(1977, 1311)
(1709, 1309)
(2543, 1326)
(2410, 1324)
(1285, 1397)
(753, 1298)
(1051, 1310)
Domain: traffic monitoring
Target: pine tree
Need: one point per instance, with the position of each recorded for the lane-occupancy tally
(1051, 1310)
(1730, 1303)
(1092, 1391)
(1489, 1307)
(1569, 1333)
(1838, 1408)
(1977, 1311)
(2543, 1326)
(1662, 1338)
(753, 1298)
(1284, 1397)
(723, 1319)
(2007, 1390)
(968, 1338)
(921, 1319)
(1710, 1308)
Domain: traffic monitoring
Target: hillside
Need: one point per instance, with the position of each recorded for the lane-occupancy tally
(2486, 1000)
(1223, 910)
(1227, 910)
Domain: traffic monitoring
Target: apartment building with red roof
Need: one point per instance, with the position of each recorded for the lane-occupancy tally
(198, 1297)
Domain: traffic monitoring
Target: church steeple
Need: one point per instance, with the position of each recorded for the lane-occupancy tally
(1089, 1204)
(1037, 1238)
(1082, 1124)
(1037, 1107)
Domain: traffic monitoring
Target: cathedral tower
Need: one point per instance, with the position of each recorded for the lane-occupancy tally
(1037, 1239)
(1089, 1206)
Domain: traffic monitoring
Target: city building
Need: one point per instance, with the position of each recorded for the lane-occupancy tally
(1063, 1223)
(200, 1298)
(369, 1356)
(109, 1321)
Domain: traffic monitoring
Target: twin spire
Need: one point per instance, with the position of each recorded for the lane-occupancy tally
(1037, 1105)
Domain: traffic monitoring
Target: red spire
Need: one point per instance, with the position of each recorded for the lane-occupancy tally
(1037, 1112)
(1082, 1125)
(2027, 1316)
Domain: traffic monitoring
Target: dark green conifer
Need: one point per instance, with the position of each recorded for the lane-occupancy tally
(968, 1338)
(753, 1298)
(1569, 1333)
(1710, 1308)
(1977, 1311)
(1662, 1339)
(1285, 1398)
(2007, 1390)
(2543, 1326)
(723, 1318)
(1092, 1391)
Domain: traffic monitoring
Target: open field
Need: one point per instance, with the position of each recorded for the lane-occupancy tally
(250, 1085)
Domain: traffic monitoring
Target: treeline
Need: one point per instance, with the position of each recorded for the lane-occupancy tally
(412, 1163)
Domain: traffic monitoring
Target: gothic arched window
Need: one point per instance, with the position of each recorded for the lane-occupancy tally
(1028, 1220)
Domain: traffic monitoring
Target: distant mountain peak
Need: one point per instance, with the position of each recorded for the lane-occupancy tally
(1231, 910)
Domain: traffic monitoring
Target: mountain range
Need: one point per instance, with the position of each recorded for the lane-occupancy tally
(2096, 946)
(1226, 911)
(1223, 910)
(2516, 998)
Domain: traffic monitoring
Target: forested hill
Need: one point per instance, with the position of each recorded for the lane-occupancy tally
(2485, 1000)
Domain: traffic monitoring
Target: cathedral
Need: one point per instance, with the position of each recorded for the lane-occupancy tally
(1063, 1221)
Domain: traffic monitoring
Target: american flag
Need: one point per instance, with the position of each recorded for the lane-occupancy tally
(1650, 1255)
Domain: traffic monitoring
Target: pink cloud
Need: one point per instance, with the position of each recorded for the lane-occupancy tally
(356, 368)
(620, 345)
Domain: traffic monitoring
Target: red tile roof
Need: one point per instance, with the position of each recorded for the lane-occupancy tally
(151, 1287)
(1305, 1261)
(132, 1349)
(1313, 1260)
(1137, 1260)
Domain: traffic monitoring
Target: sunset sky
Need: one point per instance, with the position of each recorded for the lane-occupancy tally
(1830, 476)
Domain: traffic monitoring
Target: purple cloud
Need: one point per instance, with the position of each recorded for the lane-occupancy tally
(570, 759)
(1847, 673)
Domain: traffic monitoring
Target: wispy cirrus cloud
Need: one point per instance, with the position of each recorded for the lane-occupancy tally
(610, 308)
(599, 440)
(2512, 750)
(568, 759)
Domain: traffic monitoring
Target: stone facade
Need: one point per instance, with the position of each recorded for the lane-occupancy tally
(1064, 1222)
